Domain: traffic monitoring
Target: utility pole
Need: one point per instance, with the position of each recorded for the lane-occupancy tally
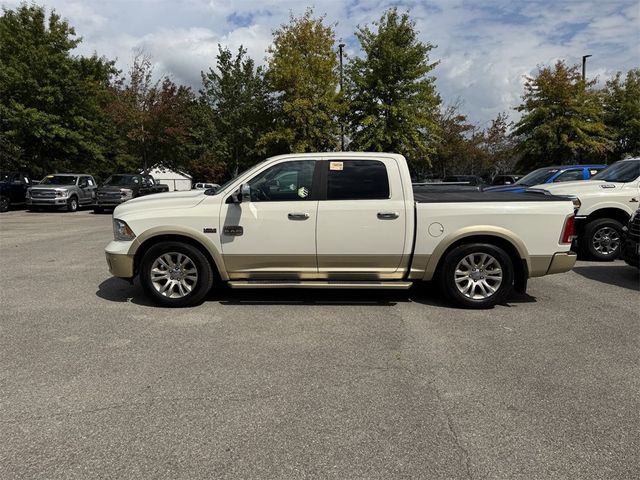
(341, 47)
(584, 67)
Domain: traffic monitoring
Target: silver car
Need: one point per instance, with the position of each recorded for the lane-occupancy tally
(69, 190)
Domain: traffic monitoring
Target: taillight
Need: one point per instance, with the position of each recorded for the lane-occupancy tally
(568, 231)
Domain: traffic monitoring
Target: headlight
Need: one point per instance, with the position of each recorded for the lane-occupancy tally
(126, 193)
(576, 203)
(62, 193)
(121, 231)
(28, 194)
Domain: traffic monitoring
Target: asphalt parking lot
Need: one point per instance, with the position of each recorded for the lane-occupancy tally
(97, 383)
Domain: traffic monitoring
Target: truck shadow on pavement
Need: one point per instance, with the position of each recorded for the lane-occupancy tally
(623, 276)
(121, 291)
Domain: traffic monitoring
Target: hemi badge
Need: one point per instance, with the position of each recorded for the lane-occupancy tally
(209, 230)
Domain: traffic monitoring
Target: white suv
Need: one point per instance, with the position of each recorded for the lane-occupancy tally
(604, 205)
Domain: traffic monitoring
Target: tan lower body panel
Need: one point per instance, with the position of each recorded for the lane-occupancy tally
(304, 267)
(539, 265)
(548, 264)
(562, 262)
(321, 284)
(120, 265)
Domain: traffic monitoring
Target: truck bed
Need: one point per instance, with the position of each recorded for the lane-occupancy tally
(421, 196)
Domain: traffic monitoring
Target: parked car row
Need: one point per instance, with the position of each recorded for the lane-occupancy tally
(73, 190)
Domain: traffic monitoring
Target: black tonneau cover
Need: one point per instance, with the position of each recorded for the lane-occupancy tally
(470, 196)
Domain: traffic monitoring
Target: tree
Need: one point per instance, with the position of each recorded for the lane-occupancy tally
(240, 109)
(393, 102)
(456, 147)
(52, 104)
(153, 119)
(621, 99)
(302, 76)
(497, 147)
(562, 119)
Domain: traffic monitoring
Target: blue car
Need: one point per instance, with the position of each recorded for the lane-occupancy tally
(564, 173)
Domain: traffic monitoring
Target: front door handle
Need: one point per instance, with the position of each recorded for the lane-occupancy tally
(388, 215)
(298, 216)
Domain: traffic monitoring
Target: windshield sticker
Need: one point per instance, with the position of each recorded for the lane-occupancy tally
(303, 192)
(336, 166)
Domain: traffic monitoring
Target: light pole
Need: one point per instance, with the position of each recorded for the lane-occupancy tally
(341, 47)
(584, 66)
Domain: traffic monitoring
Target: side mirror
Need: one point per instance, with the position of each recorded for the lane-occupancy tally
(243, 194)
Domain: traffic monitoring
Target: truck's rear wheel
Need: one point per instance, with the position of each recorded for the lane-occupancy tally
(176, 274)
(601, 239)
(477, 275)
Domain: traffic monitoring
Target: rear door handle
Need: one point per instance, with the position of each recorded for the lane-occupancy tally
(298, 216)
(388, 215)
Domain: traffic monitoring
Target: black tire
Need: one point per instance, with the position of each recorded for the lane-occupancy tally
(449, 266)
(5, 203)
(72, 204)
(601, 239)
(200, 288)
(98, 210)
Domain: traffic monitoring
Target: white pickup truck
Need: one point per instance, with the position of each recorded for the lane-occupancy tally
(338, 220)
(604, 204)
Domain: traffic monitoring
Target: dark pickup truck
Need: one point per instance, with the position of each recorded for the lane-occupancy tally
(13, 189)
(122, 187)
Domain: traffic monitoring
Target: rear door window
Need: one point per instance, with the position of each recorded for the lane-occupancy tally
(570, 176)
(357, 180)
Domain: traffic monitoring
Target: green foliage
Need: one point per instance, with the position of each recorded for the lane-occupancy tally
(562, 120)
(152, 119)
(393, 104)
(302, 75)
(621, 100)
(236, 111)
(497, 148)
(52, 104)
(456, 147)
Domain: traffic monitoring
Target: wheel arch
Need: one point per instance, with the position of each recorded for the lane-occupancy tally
(145, 241)
(613, 213)
(506, 240)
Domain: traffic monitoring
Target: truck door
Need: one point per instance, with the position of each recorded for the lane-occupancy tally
(362, 220)
(274, 234)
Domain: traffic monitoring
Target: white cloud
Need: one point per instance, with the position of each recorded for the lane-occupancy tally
(485, 49)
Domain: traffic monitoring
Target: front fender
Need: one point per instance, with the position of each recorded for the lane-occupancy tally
(182, 231)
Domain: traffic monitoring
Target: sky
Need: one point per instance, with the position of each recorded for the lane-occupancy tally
(485, 48)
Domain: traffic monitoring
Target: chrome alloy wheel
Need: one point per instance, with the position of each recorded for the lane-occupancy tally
(478, 276)
(606, 240)
(174, 275)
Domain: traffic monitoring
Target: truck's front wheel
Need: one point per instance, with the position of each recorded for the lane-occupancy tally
(601, 239)
(72, 204)
(477, 275)
(176, 274)
(4, 204)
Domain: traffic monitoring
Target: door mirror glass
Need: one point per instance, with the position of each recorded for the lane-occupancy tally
(243, 194)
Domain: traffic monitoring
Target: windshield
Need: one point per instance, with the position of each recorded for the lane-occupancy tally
(6, 176)
(626, 171)
(537, 177)
(216, 190)
(59, 180)
(121, 180)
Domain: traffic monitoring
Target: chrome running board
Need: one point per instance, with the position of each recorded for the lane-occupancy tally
(391, 285)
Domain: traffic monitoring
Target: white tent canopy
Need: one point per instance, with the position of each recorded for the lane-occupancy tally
(174, 179)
